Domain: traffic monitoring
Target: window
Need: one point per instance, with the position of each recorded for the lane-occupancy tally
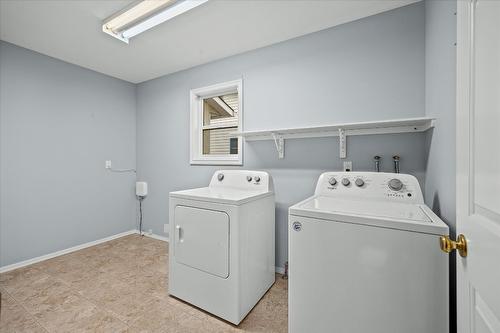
(216, 114)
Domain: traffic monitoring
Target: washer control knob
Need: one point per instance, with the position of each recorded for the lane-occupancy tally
(249, 178)
(345, 181)
(332, 181)
(256, 178)
(359, 182)
(395, 184)
(220, 176)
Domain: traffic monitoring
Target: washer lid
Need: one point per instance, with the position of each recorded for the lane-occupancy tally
(411, 217)
(224, 195)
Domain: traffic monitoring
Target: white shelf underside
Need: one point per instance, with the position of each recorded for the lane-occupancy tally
(410, 125)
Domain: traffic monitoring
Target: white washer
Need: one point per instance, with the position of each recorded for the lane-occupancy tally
(364, 256)
(222, 243)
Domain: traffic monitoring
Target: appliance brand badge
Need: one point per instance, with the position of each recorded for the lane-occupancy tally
(297, 226)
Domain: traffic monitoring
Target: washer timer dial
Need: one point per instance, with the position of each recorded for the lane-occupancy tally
(395, 184)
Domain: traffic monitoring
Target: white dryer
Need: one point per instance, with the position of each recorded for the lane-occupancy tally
(364, 256)
(222, 243)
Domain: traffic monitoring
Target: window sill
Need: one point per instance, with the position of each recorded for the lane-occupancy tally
(217, 161)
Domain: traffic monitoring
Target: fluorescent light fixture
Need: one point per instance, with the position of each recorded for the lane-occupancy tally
(144, 15)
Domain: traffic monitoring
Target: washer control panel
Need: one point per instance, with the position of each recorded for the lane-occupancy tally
(393, 186)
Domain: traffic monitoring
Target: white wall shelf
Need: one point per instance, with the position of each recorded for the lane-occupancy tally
(408, 125)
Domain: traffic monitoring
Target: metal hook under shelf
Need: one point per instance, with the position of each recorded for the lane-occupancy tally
(279, 142)
(342, 143)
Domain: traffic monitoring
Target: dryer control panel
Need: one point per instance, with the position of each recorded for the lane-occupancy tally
(384, 186)
(242, 179)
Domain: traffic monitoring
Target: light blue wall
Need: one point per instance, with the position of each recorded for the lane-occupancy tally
(440, 96)
(440, 86)
(59, 123)
(369, 69)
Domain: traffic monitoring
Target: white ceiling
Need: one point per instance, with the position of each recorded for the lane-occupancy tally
(70, 30)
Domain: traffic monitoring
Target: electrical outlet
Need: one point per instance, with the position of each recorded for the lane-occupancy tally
(165, 228)
(108, 165)
(150, 232)
(347, 165)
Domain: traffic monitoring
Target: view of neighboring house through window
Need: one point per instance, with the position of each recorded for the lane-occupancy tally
(220, 119)
(216, 118)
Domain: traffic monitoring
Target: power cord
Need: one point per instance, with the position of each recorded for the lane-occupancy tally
(140, 215)
(121, 170)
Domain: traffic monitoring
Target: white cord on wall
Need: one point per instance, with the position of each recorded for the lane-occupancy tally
(108, 167)
(121, 170)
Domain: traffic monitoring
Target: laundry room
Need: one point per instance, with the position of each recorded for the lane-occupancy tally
(249, 166)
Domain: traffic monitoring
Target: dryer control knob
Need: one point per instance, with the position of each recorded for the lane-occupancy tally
(395, 184)
(345, 181)
(220, 176)
(332, 181)
(359, 182)
(256, 178)
(249, 178)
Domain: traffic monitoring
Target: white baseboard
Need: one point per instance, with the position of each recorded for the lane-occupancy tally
(155, 236)
(20, 264)
(31, 261)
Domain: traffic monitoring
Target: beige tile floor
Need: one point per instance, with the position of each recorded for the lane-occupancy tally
(117, 286)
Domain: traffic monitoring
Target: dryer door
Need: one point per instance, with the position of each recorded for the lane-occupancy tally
(202, 239)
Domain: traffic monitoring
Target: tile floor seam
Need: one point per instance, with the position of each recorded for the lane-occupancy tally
(77, 293)
(20, 304)
(116, 315)
(101, 308)
(142, 314)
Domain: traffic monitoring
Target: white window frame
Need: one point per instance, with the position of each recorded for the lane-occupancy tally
(196, 138)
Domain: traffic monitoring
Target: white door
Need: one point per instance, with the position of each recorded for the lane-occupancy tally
(478, 165)
(202, 239)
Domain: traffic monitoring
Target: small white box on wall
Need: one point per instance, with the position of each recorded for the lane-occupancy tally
(141, 189)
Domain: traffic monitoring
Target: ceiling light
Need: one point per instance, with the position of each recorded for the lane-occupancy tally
(145, 15)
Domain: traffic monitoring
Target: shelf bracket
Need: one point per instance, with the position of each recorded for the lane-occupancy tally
(342, 143)
(279, 141)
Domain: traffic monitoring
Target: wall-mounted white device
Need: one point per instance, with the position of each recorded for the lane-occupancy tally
(141, 189)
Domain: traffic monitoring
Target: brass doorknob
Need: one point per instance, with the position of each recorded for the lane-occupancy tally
(448, 245)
